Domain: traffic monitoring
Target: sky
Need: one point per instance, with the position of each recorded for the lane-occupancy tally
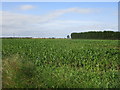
(57, 19)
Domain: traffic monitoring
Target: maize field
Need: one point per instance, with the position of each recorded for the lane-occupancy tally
(60, 63)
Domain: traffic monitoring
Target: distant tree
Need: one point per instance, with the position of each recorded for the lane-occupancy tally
(53, 37)
(96, 35)
(68, 36)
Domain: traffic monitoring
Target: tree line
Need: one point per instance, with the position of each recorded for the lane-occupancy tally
(96, 35)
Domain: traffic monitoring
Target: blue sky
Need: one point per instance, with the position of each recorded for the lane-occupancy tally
(57, 19)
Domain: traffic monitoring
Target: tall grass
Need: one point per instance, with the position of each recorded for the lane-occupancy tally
(17, 73)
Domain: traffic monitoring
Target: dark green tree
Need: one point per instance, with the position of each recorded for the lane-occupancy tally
(96, 35)
(68, 36)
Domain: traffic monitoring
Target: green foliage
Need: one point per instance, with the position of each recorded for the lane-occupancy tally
(60, 63)
(96, 35)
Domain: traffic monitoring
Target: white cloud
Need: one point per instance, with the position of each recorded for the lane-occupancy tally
(58, 13)
(48, 25)
(26, 7)
(14, 18)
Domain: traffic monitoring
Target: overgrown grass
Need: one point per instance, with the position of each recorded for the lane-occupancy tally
(17, 73)
(60, 63)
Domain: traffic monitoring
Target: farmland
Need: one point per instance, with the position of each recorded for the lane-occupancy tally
(60, 63)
